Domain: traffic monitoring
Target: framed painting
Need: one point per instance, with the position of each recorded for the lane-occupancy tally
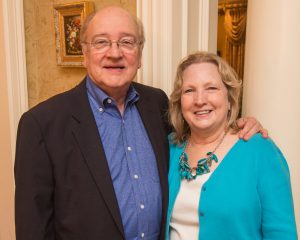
(68, 21)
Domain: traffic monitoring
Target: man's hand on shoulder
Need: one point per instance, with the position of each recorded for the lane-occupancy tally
(250, 126)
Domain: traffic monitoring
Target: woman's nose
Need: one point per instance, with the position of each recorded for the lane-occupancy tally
(200, 98)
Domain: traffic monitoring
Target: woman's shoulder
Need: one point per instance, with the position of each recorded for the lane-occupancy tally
(175, 148)
(173, 145)
(265, 150)
(259, 142)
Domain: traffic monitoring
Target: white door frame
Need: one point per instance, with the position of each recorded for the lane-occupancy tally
(16, 76)
(174, 28)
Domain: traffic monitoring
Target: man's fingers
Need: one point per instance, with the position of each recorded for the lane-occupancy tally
(241, 122)
(264, 132)
(251, 126)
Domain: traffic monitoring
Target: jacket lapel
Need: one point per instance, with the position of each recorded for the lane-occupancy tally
(86, 134)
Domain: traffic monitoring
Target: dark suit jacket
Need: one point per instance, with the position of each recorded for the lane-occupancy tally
(63, 184)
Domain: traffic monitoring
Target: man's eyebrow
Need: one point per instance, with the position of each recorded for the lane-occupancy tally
(124, 34)
(99, 35)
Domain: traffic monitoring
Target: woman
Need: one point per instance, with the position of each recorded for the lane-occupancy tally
(221, 187)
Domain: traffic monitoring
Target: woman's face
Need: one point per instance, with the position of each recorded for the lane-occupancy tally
(204, 98)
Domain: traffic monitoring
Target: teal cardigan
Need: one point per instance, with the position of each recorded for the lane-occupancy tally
(248, 196)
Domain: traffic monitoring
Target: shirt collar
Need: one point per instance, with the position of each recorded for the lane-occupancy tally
(101, 97)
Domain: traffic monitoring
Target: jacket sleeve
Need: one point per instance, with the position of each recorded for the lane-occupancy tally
(34, 183)
(274, 187)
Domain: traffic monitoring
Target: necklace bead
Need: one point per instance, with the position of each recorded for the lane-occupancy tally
(203, 165)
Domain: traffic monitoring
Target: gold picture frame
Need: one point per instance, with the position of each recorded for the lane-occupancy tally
(68, 20)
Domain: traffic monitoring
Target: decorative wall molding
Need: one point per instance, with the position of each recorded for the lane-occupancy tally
(184, 27)
(14, 37)
(156, 16)
(203, 27)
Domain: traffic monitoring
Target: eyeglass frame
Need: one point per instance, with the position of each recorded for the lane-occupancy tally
(110, 42)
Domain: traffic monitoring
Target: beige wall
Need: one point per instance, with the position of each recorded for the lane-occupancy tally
(45, 78)
(272, 77)
(6, 164)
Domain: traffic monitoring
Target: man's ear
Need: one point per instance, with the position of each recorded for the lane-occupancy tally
(84, 62)
(84, 52)
(140, 61)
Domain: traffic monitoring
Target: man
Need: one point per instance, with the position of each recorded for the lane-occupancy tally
(92, 163)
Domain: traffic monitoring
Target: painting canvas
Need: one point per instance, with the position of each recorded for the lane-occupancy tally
(68, 22)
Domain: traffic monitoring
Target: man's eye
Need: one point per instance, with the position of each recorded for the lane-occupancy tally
(127, 42)
(101, 42)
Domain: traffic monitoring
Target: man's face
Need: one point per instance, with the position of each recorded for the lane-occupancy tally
(114, 69)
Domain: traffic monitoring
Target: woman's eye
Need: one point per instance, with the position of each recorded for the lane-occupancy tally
(212, 88)
(188, 90)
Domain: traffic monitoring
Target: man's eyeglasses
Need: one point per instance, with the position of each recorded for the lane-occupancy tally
(127, 45)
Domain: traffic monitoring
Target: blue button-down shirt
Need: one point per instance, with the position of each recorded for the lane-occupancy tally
(131, 162)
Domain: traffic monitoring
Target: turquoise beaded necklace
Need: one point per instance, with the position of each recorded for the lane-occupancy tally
(203, 165)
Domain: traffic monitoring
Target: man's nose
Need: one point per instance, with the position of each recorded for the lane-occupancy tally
(114, 50)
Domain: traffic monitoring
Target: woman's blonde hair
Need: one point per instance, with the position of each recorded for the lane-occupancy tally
(230, 80)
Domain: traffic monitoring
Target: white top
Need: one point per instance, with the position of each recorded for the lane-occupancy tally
(184, 222)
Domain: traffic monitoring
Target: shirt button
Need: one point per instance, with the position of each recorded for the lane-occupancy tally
(203, 188)
(101, 109)
(142, 235)
(129, 148)
(109, 100)
(136, 176)
(142, 206)
(202, 214)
